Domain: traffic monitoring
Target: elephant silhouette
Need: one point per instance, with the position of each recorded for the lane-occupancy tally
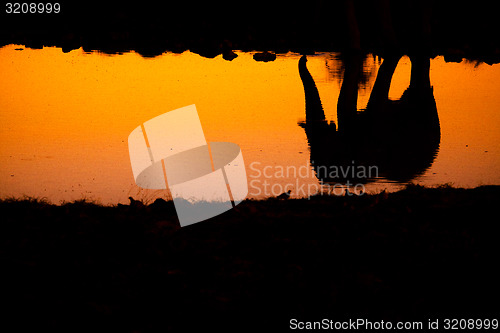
(393, 139)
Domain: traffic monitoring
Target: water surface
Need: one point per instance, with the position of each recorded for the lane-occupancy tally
(66, 118)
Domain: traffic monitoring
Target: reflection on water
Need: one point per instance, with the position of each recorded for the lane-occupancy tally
(396, 140)
(66, 118)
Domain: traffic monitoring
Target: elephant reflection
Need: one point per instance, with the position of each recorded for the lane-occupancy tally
(400, 138)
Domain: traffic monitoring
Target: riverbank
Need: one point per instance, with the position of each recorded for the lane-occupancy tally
(210, 29)
(419, 253)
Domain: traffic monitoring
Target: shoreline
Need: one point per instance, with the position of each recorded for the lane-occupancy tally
(326, 195)
(457, 32)
(419, 253)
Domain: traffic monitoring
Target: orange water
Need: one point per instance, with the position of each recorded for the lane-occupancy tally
(66, 118)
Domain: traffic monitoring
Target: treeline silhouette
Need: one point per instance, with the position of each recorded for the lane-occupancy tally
(212, 28)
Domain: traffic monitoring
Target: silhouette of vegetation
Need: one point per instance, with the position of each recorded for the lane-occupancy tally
(212, 28)
(413, 254)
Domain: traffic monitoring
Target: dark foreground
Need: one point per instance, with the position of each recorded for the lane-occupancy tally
(417, 254)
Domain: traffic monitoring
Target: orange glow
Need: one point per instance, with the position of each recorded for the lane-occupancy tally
(66, 117)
